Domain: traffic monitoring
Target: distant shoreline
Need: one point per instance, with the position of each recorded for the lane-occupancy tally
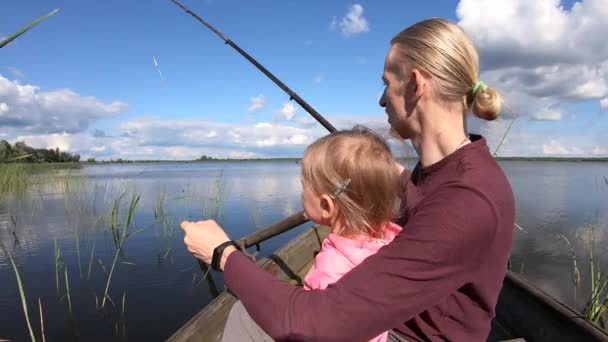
(296, 160)
(557, 159)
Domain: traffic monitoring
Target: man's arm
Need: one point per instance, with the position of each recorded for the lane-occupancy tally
(432, 257)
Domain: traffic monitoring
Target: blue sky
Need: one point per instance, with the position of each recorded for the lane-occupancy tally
(85, 81)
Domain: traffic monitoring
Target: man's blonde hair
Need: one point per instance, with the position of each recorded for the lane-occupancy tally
(370, 199)
(444, 50)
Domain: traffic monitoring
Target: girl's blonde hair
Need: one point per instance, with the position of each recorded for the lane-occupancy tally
(444, 50)
(370, 199)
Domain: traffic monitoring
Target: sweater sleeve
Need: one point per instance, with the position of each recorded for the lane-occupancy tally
(437, 253)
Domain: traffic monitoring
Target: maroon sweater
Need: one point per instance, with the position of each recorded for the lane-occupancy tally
(438, 280)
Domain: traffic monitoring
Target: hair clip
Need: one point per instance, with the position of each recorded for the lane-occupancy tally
(340, 188)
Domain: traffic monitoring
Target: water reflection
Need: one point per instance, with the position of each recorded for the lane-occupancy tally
(165, 284)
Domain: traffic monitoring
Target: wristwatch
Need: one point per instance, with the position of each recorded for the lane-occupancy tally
(217, 254)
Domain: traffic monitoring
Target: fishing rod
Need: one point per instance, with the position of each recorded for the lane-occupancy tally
(28, 27)
(291, 93)
(295, 220)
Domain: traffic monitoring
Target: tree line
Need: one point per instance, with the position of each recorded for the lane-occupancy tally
(20, 152)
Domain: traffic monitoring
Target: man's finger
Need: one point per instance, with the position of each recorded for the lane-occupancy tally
(185, 225)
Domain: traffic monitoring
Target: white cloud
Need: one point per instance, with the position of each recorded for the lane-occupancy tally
(33, 111)
(60, 141)
(16, 72)
(538, 53)
(535, 33)
(155, 138)
(353, 23)
(555, 147)
(257, 103)
(288, 112)
(333, 24)
(3, 108)
(604, 104)
(547, 115)
(598, 151)
(318, 78)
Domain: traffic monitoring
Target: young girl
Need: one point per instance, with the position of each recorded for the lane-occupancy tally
(351, 184)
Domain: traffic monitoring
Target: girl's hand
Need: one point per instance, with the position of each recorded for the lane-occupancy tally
(202, 237)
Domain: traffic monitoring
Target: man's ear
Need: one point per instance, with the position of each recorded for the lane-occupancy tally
(418, 83)
(329, 210)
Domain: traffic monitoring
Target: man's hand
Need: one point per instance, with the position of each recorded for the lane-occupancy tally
(202, 237)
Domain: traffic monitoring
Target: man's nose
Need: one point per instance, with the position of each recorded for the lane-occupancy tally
(382, 101)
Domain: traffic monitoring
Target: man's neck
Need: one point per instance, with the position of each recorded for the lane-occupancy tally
(439, 141)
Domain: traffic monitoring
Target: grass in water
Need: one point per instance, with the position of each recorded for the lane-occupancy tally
(91, 260)
(21, 293)
(78, 248)
(114, 221)
(575, 272)
(120, 238)
(67, 289)
(58, 265)
(41, 320)
(213, 208)
(13, 178)
(597, 303)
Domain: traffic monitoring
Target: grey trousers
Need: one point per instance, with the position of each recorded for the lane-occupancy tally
(240, 327)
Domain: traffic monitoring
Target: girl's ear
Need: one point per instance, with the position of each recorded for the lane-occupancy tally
(329, 209)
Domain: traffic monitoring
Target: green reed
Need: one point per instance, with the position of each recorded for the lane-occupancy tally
(114, 220)
(58, 264)
(91, 260)
(595, 308)
(14, 178)
(41, 320)
(121, 331)
(21, 293)
(103, 267)
(161, 217)
(120, 238)
(597, 303)
(78, 249)
(67, 289)
(575, 274)
(213, 208)
(159, 211)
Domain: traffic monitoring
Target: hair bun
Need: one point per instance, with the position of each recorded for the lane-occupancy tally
(487, 103)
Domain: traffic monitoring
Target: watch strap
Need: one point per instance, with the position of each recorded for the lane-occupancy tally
(218, 252)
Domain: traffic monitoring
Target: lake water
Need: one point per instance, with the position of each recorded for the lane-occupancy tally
(160, 285)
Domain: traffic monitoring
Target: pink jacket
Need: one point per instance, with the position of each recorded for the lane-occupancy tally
(339, 255)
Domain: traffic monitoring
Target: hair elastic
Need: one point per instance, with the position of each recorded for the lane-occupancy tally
(477, 86)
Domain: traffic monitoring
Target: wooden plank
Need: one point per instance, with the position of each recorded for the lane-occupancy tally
(208, 324)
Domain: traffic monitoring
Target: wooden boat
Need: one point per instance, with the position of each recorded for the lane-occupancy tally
(523, 312)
